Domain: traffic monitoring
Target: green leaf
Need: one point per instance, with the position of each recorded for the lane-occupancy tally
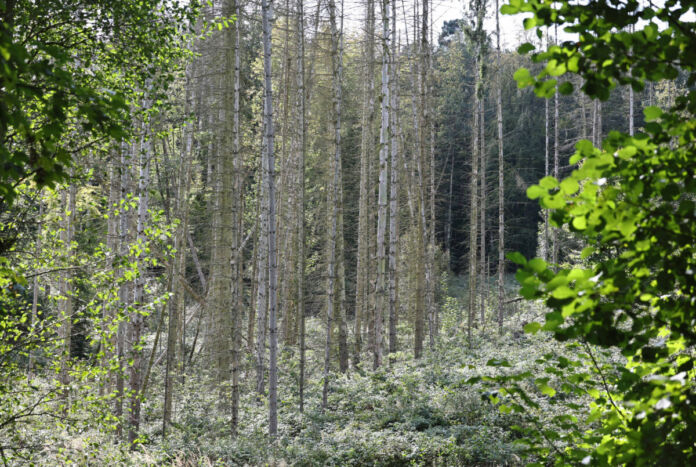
(563, 292)
(537, 265)
(525, 48)
(584, 147)
(535, 191)
(569, 186)
(580, 223)
(652, 113)
(517, 258)
(523, 78)
(545, 388)
(532, 328)
(508, 10)
(548, 182)
(566, 88)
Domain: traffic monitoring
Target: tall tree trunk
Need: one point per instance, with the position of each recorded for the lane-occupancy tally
(428, 158)
(341, 304)
(286, 203)
(448, 222)
(554, 232)
(111, 311)
(479, 7)
(177, 305)
(35, 284)
(262, 277)
(124, 290)
(416, 195)
(380, 291)
(501, 177)
(394, 195)
(333, 198)
(137, 318)
(238, 258)
(547, 238)
(363, 270)
(268, 148)
(65, 289)
(482, 211)
(300, 210)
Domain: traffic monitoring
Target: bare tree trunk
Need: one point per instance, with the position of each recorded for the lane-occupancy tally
(380, 291)
(394, 196)
(177, 303)
(480, 11)
(501, 178)
(268, 148)
(111, 311)
(333, 199)
(343, 356)
(35, 284)
(301, 148)
(286, 203)
(417, 198)
(554, 232)
(429, 180)
(65, 288)
(547, 238)
(262, 279)
(137, 318)
(364, 216)
(238, 258)
(631, 118)
(448, 223)
(124, 295)
(484, 196)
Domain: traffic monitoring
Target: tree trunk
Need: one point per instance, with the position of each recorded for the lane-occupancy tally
(65, 289)
(479, 10)
(35, 284)
(137, 318)
(124, 295)
(501, 178)
(554, 231)
(394, 197)
(268, 148)
(428, 148)
(300, 210)
(333, 198)
(364, 216)
(482, 212)
(380, 290)
(238, 252)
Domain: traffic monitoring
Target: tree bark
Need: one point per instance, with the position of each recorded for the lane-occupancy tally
(268, 148)
(137, 318)
(333, 199)
(380, 290)
(300, 210)
(501, 178)
(65, 289)
(394, 196)
(364, 216)
(177, 305)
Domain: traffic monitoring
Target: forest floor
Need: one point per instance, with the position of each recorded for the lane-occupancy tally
(409, 412)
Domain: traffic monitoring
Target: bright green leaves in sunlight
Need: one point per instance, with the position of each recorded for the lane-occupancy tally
(627, 305)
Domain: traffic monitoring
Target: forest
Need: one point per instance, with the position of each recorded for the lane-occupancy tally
(304, 232)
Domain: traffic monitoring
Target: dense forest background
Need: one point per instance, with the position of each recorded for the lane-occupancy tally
(244, 233)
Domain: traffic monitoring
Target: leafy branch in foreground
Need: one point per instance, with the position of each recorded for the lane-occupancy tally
(632, 201)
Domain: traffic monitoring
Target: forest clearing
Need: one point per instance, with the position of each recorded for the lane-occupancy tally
(300, 232)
